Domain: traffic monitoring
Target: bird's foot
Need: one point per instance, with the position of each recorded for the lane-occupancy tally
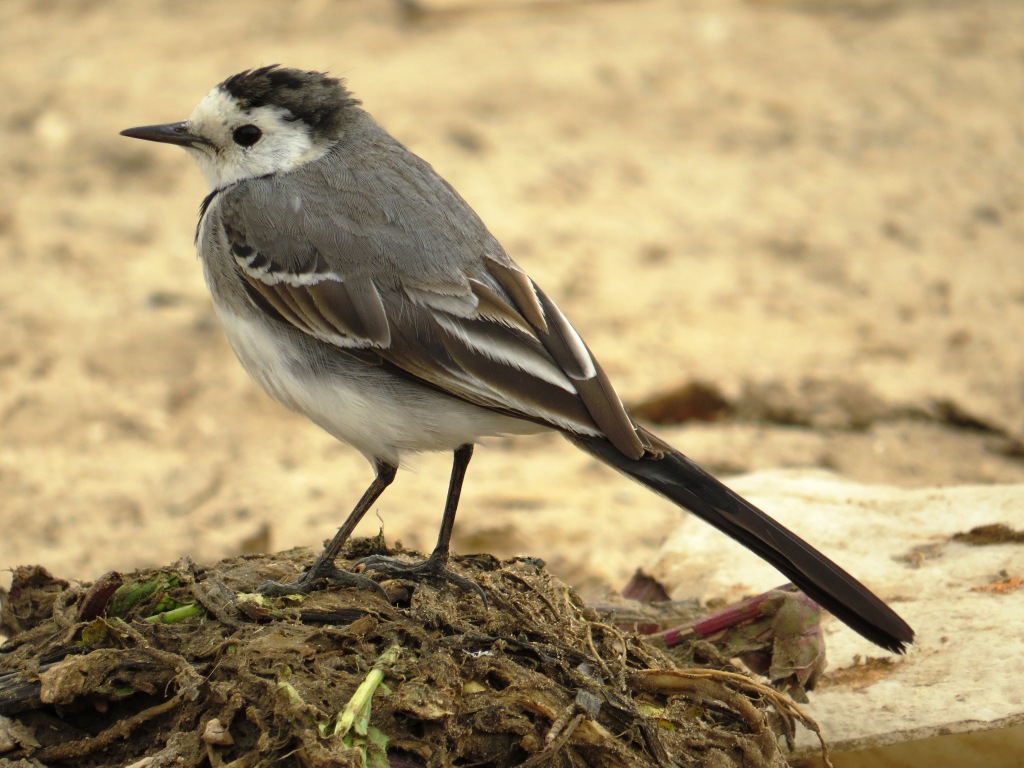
(321, 573)
(434, 568)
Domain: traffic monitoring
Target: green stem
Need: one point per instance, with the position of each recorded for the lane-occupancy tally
(180, 613)
(359, 704)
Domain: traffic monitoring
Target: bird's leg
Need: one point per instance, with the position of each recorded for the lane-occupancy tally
(460, 464)
(323, 567)
(436, 566)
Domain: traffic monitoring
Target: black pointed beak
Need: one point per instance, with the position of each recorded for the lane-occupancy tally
(170, 133)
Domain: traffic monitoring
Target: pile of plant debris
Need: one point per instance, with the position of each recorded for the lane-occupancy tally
(187, 666)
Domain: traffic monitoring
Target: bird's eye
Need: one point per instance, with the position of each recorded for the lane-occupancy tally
(246, 135)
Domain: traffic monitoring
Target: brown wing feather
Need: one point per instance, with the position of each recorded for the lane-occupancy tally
(565, 346)
(520, 287)
(596, 391)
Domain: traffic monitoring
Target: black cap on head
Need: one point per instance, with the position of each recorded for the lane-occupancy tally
(313, 97)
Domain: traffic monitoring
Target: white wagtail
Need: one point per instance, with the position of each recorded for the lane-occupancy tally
(359, 289)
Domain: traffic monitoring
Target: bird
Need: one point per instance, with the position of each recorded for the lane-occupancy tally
(358, 288)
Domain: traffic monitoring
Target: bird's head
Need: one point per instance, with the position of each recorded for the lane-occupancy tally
(259, 122)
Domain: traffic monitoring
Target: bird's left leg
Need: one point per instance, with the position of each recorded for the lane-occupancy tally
(436, 566)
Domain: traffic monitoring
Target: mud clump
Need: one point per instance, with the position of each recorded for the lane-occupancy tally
(187, 666)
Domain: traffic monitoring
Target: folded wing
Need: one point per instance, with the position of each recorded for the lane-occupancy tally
(485, 334)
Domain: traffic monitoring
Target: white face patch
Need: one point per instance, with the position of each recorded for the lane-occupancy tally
(285, 143)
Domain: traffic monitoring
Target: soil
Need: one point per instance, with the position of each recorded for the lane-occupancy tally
(187, 666)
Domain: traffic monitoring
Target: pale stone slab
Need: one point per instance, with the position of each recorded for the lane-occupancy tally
(963, 672)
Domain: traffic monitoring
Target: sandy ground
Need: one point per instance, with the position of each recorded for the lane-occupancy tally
(816, 204)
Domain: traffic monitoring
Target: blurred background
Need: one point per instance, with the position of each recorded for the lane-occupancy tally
(798, 223)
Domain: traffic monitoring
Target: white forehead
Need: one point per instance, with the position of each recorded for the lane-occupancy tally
(220, 113)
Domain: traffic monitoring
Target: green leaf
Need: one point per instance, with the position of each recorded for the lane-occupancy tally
(129, 595)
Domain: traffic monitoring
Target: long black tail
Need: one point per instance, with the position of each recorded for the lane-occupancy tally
(683, 482)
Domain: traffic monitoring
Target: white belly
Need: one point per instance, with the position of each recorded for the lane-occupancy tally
(379, 414)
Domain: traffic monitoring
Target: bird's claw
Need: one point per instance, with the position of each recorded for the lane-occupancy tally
(321, 572)
(433, 568)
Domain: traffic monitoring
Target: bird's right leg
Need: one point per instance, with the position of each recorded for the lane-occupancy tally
(323, 567)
